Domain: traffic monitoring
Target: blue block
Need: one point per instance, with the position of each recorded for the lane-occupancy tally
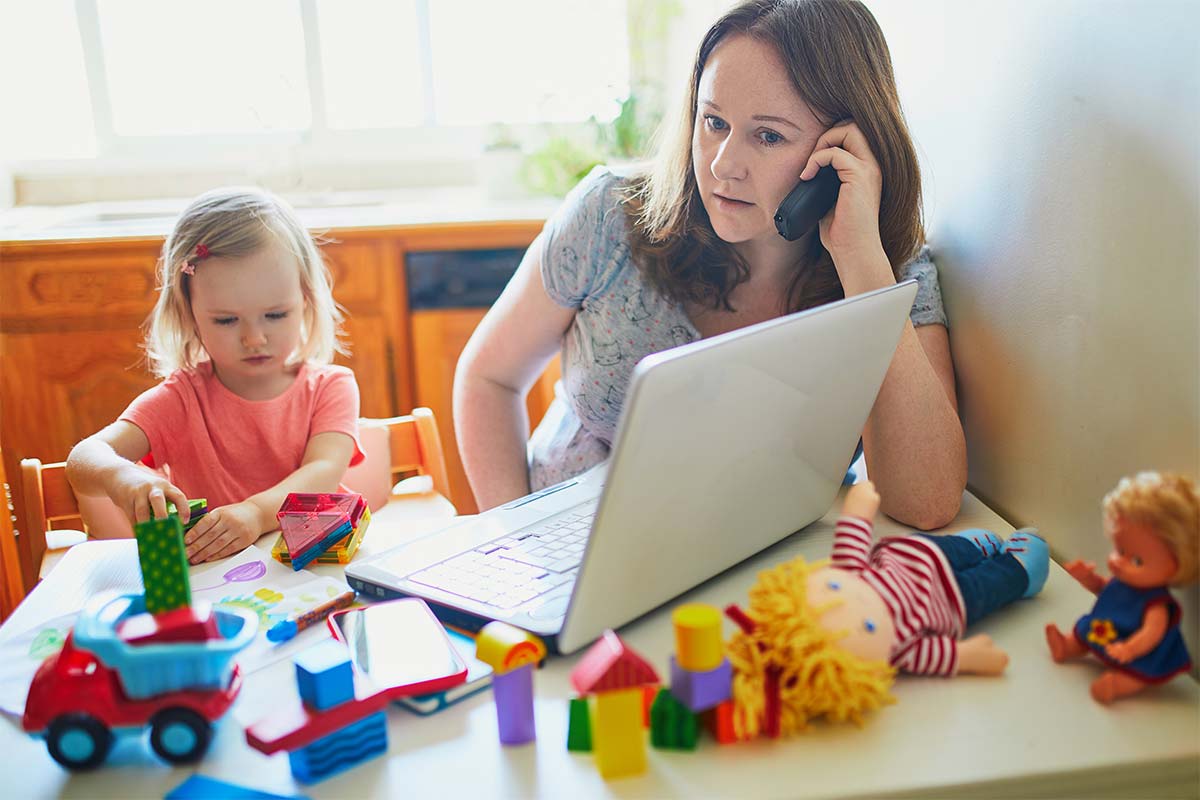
(201, 787)
(324, 675)
(700, 691)
(341, 749)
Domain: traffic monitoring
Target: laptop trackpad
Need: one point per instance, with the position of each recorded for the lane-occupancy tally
(552, 608)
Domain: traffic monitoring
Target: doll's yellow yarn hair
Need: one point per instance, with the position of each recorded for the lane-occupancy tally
(817, 678)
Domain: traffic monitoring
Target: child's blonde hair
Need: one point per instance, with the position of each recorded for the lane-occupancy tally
(1168, 503)
(235, 222)
(816, 677)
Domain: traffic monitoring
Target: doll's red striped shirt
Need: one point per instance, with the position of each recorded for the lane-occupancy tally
(914, 580)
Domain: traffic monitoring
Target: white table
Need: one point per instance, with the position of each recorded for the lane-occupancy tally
(1033, 732)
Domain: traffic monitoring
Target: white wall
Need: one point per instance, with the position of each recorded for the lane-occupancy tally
(1061, 148)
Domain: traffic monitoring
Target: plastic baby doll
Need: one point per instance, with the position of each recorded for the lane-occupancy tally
(1154, 522)
(826, 639)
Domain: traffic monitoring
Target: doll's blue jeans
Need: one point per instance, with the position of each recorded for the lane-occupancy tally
(986, 583)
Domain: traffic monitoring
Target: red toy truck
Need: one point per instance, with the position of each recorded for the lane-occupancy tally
(122, 670)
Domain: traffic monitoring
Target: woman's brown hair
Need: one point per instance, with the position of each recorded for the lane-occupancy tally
(839, 64)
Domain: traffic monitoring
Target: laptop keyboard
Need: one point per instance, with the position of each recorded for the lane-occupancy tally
(517, 568)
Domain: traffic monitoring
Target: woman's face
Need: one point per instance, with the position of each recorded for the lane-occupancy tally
(752, 138)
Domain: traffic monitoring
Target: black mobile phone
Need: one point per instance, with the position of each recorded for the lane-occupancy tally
(804, 205)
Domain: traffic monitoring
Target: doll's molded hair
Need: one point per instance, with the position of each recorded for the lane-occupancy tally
(1170, 504)
(817, 678)
(235, 222)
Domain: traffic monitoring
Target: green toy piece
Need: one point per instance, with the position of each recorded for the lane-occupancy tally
(163, 559)
(672, 725)
(579, 727)
(196, 510)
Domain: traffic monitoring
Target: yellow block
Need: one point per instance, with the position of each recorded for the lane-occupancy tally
(698, 645)
(504, 647)
(618, 738)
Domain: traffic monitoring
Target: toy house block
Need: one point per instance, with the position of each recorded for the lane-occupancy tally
(618, 738)
(579, 726)
(698, 643)
(719, 721)
(340, 750)
(325, 676)
(505, 647)
(312, 523)
(672, 725)
(513, 692)
(200, 787)
(163, 559)
(700, 691)
(609, 664)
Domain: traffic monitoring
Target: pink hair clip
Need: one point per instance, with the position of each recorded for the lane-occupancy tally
(189, 265)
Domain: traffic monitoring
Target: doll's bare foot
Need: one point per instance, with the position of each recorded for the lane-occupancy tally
(1113, 685)
(1062, 648)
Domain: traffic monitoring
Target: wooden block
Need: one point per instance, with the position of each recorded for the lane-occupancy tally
(618, 738)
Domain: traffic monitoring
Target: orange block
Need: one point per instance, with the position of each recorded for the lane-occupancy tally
(719, 721)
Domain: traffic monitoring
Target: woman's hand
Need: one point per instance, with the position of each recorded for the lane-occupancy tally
(223, 532)
(143, 495)
(851, 230)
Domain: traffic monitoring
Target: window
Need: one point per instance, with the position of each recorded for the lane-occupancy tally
(131, 79)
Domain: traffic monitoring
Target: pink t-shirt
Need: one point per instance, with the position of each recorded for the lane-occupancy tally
(216, 445)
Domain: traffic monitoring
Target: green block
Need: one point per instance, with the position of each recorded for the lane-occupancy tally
(163, 558)
(196, 510)
(672, 725)
(579, 727)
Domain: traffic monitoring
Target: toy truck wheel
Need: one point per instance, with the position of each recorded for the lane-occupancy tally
(179, 735)
(78, 741)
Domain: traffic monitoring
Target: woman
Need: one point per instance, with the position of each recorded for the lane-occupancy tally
(629, 266)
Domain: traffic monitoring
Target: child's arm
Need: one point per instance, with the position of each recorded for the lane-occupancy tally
(1144, 639)
(105, 463)
(229, 529)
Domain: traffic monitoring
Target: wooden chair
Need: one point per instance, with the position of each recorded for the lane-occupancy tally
(12, 579)
(397, 447)
(50, 503)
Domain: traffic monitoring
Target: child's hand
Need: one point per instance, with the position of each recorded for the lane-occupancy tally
(142, 495)
(223, 532)
(862, 501)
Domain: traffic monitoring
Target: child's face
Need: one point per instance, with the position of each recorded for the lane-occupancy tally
(248, 312)
(1140, 558)
(857, 609)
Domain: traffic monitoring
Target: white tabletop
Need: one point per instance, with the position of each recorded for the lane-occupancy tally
(1034, 731)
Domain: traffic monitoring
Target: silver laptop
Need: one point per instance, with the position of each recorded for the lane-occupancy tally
(725, 446)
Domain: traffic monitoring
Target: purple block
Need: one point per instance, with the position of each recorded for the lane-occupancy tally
(700, 691)
(513, 692)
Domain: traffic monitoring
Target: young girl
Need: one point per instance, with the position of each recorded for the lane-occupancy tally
(630, 266)
(250, 409)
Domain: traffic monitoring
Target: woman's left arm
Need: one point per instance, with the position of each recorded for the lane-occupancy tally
(915, 449)
(232, 528)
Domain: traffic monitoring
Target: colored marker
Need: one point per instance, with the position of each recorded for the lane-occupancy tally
(282, 631)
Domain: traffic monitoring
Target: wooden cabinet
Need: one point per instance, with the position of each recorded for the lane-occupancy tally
(70, 332)
(439, 337)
